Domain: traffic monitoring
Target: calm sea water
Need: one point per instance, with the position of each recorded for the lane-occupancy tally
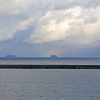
(49, 84)
(51, 61)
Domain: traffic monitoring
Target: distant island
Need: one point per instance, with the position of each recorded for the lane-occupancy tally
(11, 56)
(54, 56)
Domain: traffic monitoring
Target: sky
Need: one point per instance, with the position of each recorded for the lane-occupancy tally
(41, 28)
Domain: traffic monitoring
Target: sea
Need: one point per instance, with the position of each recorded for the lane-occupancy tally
(50, 84)
(48, 61)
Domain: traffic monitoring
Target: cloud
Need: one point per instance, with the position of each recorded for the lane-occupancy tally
(53, 20)
(14, 16)
(14, 6)
(18, 15)
(6, 34)
(78, 24)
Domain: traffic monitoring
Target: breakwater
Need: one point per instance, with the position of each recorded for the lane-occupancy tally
(50, 66)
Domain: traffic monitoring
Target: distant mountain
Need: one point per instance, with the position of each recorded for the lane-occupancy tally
(54, 56)
(11, 56)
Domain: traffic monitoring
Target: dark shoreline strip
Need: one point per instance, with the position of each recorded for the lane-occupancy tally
(49, 66)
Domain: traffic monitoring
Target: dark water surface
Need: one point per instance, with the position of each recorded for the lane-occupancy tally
(49, 84)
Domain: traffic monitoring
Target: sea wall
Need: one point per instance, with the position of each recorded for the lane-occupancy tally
(50, 66)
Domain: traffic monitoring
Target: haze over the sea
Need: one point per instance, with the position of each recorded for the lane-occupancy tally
(41, 28)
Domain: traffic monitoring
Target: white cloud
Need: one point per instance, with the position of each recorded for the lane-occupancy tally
(14, 6)
(51, 20)
(14, 16)
(72, 23)
(18, 15)
(6, 34)
(25, 23)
